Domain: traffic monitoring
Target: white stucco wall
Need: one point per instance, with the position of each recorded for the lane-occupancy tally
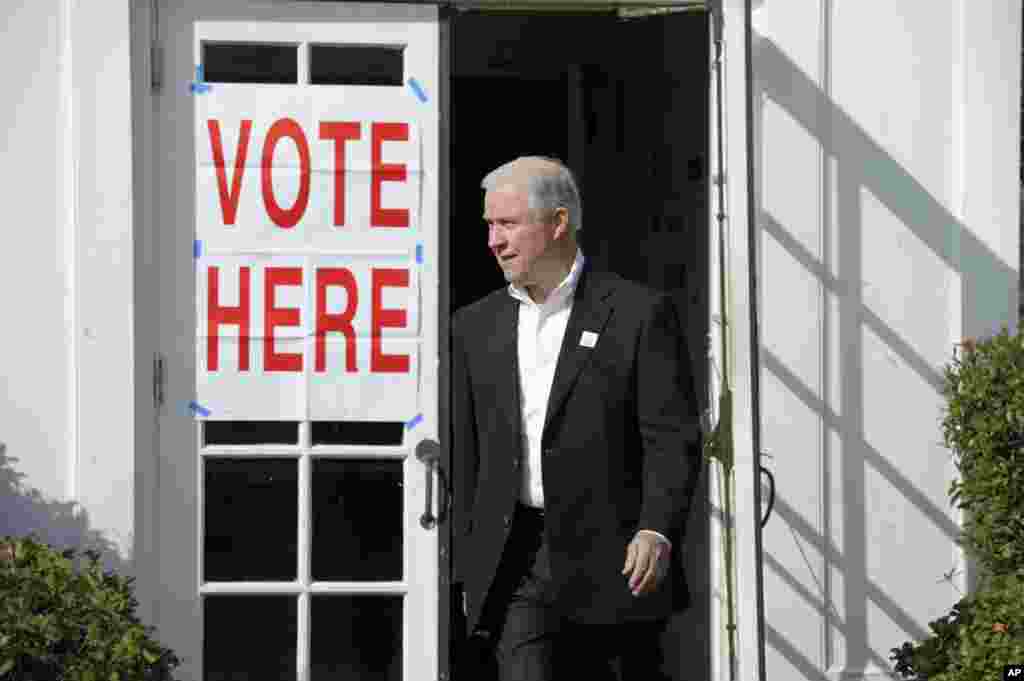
(35, 409)
(887, 138)
(66, 404)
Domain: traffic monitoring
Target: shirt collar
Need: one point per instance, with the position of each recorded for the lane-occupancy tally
(561, 292)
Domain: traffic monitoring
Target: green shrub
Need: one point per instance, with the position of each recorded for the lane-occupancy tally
(982, 633)
(65, 624)
(994, 636)
(934, 655)
(983, 426)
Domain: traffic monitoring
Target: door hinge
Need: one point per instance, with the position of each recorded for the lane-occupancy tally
(158, 380)
(156, 54)
(156, 59)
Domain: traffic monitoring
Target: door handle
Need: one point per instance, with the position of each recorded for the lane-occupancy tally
(771, 494)
(429, 452)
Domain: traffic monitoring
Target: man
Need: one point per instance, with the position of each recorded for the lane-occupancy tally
(575, 447)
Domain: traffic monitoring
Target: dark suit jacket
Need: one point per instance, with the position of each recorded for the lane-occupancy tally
(620, 446)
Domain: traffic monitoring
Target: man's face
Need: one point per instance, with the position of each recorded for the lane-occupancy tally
(518, 242)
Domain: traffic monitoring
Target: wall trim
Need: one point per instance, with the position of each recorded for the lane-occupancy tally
(69, 196)
(98, 61)
(957, 207)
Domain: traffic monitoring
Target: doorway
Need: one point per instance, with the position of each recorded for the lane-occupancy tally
(624, 102)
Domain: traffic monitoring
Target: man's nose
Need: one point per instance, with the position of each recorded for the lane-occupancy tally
(495, 241)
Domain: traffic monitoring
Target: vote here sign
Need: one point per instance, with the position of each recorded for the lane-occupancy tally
(307, 220)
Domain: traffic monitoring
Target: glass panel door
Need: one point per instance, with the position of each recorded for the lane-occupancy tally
(296, 174)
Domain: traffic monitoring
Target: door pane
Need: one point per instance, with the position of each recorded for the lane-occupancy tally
(250, 63)
(250, 432)
(357, 520)
(251, 519)
(355, 65)
(358, 432)
(249, 638)
(356, 638)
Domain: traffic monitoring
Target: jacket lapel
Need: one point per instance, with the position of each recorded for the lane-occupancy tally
(504, 349)
(590, 311)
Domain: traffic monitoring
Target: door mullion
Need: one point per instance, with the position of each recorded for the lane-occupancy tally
(305, 519)
(303, 64)
(305, 531)
(303, 633)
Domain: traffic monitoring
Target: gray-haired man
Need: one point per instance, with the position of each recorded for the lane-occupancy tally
(575, 422)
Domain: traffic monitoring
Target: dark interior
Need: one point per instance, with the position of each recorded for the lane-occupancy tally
(624, 103)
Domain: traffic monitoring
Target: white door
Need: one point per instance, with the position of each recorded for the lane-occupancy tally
(731, 268)
(296, 182)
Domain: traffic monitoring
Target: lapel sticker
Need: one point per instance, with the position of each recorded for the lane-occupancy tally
(588, 339)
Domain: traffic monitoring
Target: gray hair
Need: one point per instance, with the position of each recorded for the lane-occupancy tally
(546, 191)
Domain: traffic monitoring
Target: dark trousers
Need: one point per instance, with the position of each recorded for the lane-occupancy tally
(532, 642)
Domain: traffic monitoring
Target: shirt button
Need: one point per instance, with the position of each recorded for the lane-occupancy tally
(508, 521)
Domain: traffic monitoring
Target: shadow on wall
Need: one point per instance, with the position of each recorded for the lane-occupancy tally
(988, 284)
(62, 524)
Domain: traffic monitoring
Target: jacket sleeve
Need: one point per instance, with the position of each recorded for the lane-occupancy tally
(669, 422)
(464, 437)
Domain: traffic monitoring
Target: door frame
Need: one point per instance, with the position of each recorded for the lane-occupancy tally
(146, 62)
(734, 219)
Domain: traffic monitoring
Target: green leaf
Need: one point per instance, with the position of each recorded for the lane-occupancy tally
(983, 386)
(56, 614)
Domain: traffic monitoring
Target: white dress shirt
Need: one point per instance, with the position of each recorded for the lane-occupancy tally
(541, 329)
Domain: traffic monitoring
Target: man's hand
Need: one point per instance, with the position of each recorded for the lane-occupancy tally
(647, 559)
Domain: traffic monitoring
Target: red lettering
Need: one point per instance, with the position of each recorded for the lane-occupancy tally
(274, 317)
(380, 318)
(285, 127)
(340, 133)
(386, 172)
(218, 315)
(335, 276)
(229, 200)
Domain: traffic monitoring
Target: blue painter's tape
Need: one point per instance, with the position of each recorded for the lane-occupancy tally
(198, 408)
(198, 86)
(419, 253)
(418, 89)
(412, 424)
(197, 248)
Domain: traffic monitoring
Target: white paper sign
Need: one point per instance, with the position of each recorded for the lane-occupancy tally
(307, 281)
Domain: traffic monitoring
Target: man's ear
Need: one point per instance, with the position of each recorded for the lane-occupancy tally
(560, 218)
